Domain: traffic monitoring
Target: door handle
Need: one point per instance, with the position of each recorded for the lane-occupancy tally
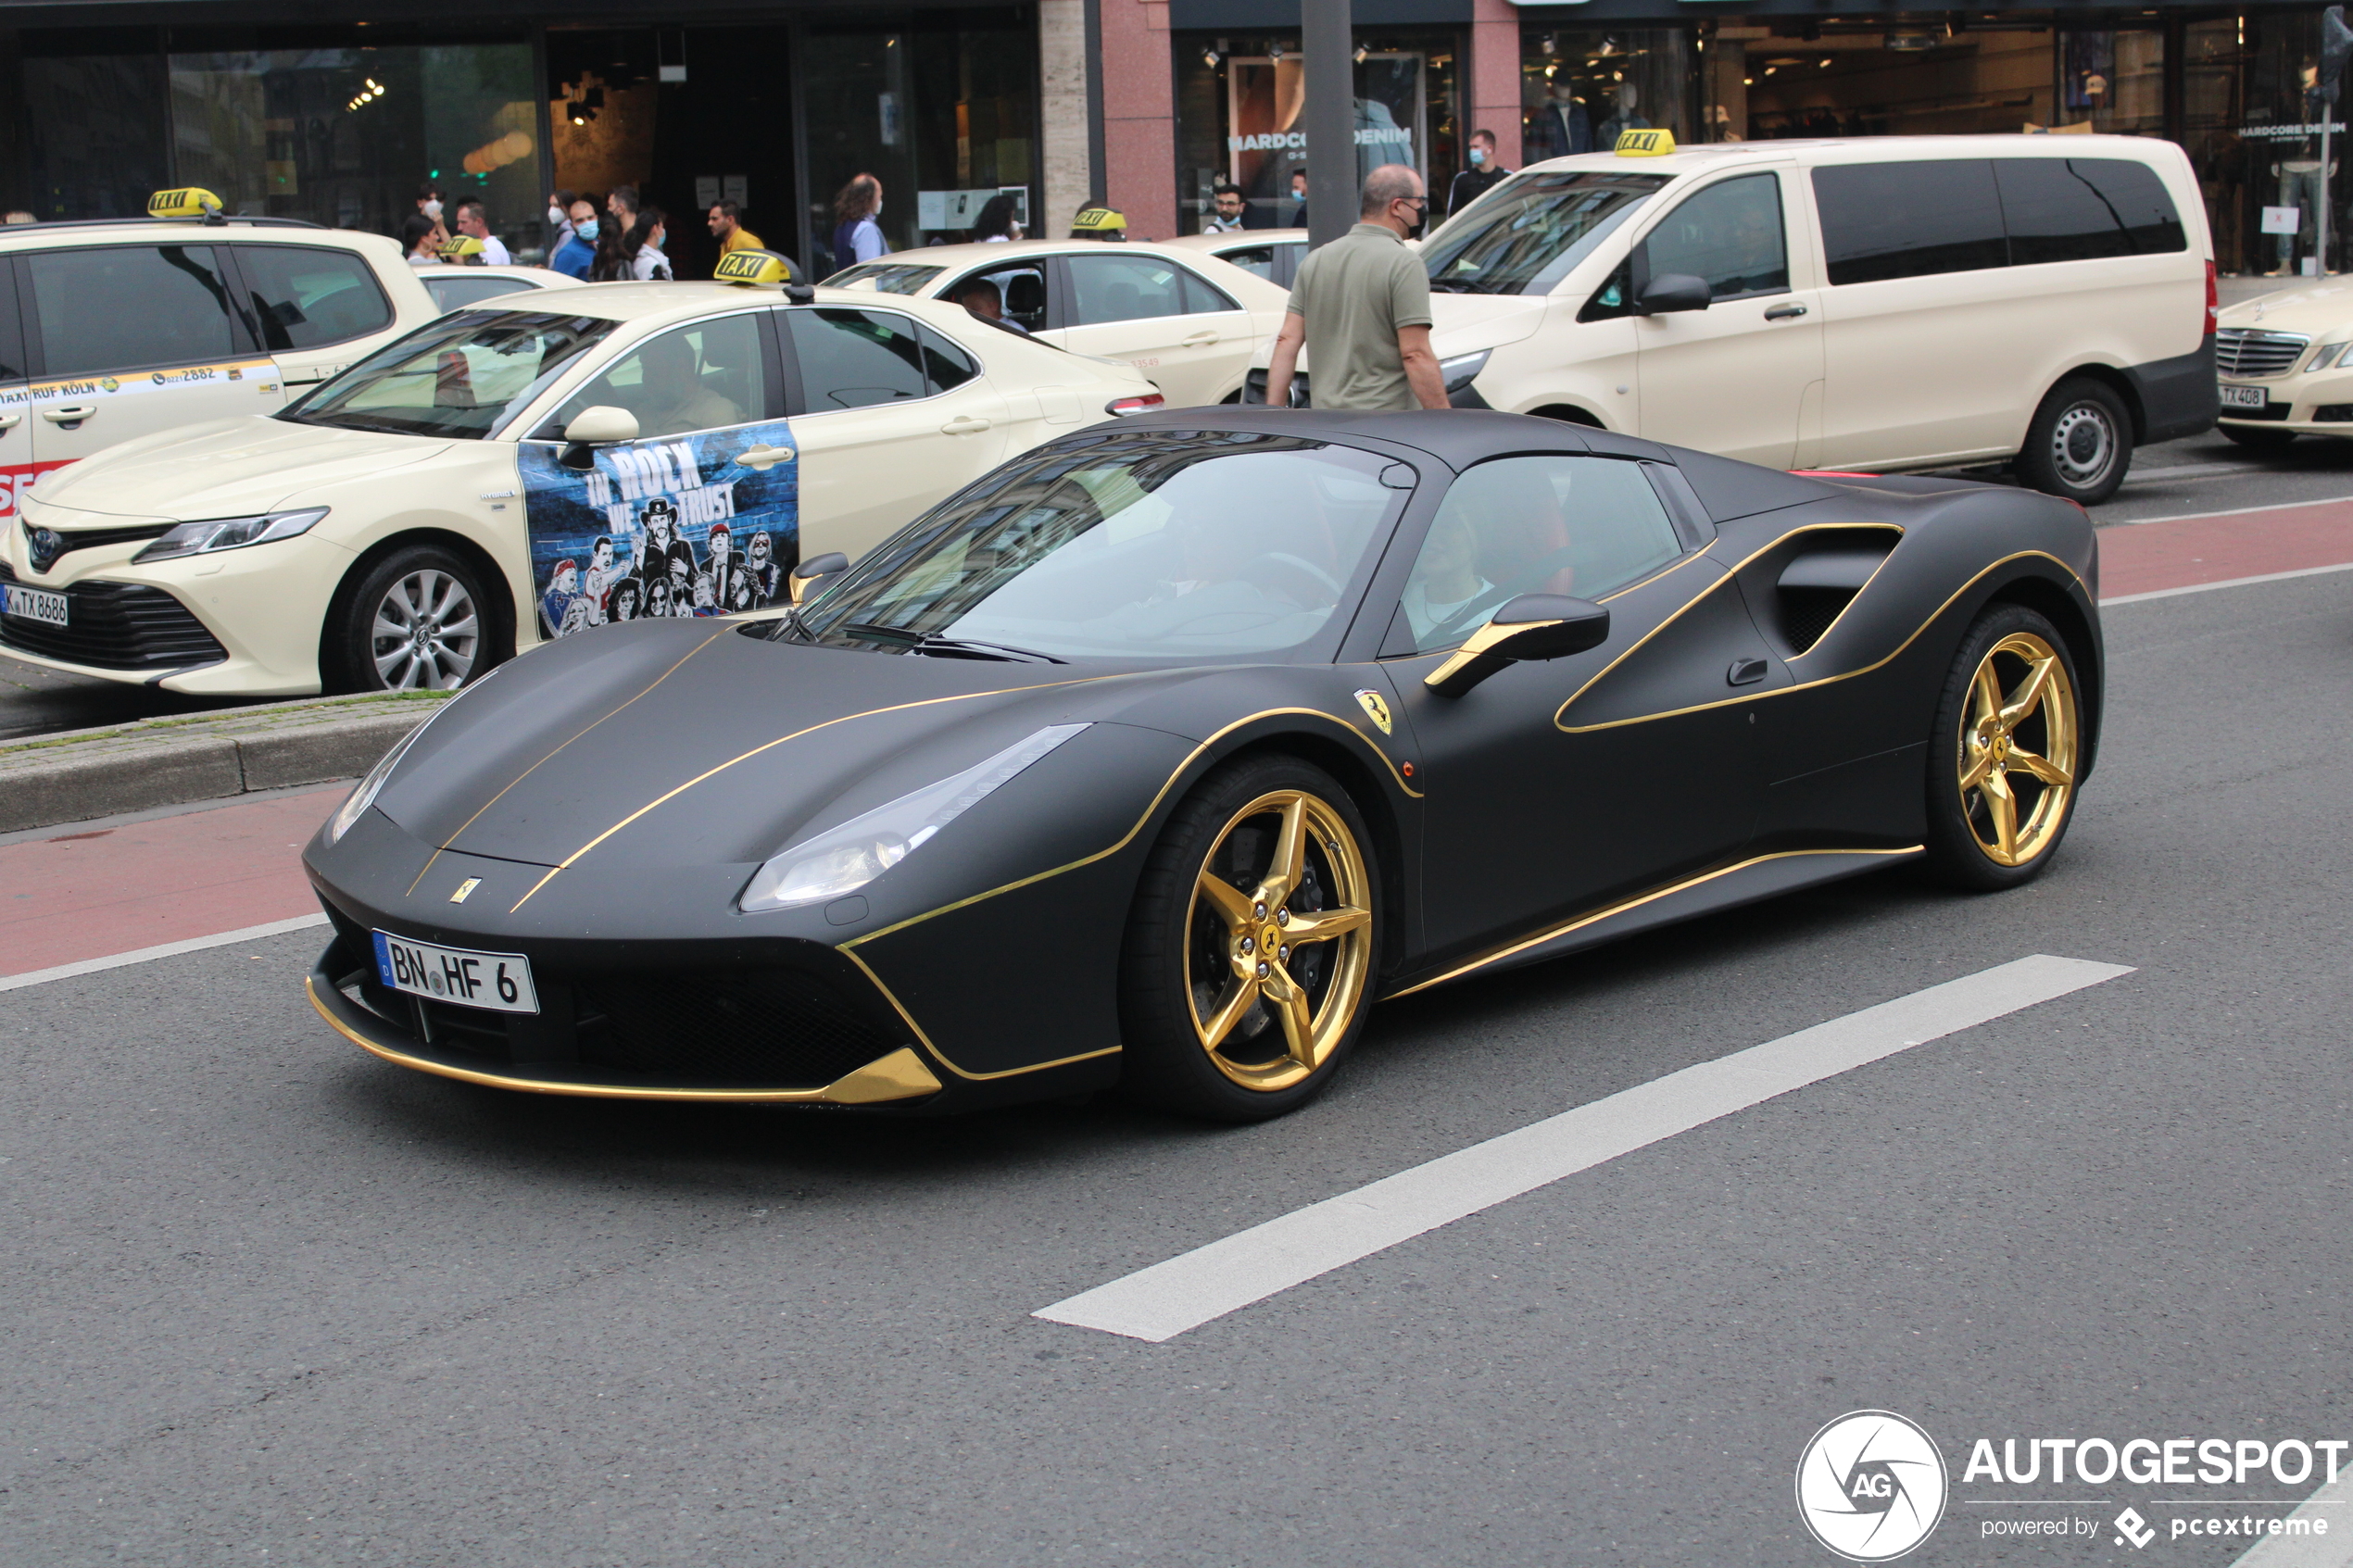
(71, 414)
(964, 424)
(1201, 339)
(764, 458)
(10, 421)
(1783, 312)
(1745, 672)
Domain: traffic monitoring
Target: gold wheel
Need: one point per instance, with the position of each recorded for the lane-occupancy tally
(2015, 760)
(1279, 942)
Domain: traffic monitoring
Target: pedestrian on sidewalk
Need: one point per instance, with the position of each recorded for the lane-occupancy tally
(1226, 209)
(428, 200)
(1484, 174)
(996, 224)
(647, 263)
(422, 239)
(621, 206)
(1297, 218)
(577, 254)
(725, 220)
(560, 219)
(857, 234)
(472, 219)
(1361, 306)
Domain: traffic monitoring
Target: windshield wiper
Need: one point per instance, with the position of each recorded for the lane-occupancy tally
(952, 647)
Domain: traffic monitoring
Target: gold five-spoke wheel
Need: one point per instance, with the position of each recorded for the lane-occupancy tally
(1278, 944)
(2017, 756)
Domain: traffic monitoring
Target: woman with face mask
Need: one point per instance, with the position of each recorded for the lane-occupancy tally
(646, 264)
(578, 251)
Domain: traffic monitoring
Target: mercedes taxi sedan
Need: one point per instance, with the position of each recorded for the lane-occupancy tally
(524, 472)
(2280, 366)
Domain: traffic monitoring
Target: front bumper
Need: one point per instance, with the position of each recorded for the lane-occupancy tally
(2305, 405)
(578, 1047)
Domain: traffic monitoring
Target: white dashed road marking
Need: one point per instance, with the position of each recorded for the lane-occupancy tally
(162, 950)
(1162, 1302)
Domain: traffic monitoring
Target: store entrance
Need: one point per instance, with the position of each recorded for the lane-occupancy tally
(690, 116)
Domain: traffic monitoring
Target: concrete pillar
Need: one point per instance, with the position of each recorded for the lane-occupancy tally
(1491, 87)
(1139, 116)
(1061, 108)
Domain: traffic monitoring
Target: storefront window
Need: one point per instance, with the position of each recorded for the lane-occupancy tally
(94, 130)
(1580, 87)
(2253, 122)
(1867, 79)
(2114, 80)
(1238, 103)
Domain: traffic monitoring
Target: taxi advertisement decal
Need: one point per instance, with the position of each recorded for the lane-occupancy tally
(671, 527)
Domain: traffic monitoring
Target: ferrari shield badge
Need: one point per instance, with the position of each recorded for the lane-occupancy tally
(1375, 708)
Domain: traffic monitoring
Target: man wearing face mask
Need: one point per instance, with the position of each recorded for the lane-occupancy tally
(1484, 174)
(1361, 306)
(428, 200)
(578, 252)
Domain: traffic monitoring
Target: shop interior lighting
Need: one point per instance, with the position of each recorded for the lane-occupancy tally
(1209, 59)
(1549, 45)
(1360, 52)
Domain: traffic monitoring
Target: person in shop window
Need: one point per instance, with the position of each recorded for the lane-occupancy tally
(1561, 125)
(1486, 172)
(858, 234)
(577, 254)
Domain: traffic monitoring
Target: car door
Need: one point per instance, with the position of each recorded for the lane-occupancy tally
(1734, 379)
(1554, 790)
(128, 339)
(315, 309)
(18, 470)
(1184, 332)
(891, 417)
(699, 515)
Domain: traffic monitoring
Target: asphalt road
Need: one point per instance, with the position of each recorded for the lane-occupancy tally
(2204, 474)
(265, 1300)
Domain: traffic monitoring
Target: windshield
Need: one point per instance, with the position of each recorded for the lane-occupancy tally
(1528, 235)
(459, 377)
(1169, 545)
(890, 277)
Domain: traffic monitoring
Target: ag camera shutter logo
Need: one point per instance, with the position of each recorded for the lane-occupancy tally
(1871, 1486)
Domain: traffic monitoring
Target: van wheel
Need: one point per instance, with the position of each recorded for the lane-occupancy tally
(2256, 440)
(2080, 443)
(415, 621)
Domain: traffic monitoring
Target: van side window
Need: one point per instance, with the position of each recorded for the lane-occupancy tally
(125, 308)
(309, 296)
(1909, 220)
(2079, 209)
(1728, 233)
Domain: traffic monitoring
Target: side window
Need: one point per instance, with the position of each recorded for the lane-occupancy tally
(706, 376)
(308, 296)
(946, 366)
(2075, 209)
(455, 291)
(1123, 288)
(124, 307)
(1579, 525)
(1204, 297)
(1257, 258)
(1020, 294)
(856, 358)
(1729, 233)
(12, 366)
(1909, 220)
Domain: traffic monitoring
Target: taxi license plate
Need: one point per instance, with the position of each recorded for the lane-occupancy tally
(33, 604)
(500, 981)
(2244, 396)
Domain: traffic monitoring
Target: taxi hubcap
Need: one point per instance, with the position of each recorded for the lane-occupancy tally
(2016, 758)
(426, 634)
(2084, 444)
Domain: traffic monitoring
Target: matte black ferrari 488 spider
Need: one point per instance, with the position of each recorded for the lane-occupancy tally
(1158, 755)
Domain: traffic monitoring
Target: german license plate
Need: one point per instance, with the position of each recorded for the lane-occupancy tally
(32, 604)
(500, 981)
(2244, 396)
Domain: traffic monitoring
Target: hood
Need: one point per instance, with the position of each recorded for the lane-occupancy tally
(1462, 323)
(228, 468)
(2324, 310)
(686, 743)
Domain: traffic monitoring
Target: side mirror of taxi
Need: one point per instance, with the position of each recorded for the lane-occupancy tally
(811, 574)
(1671, 292)
(1532, 627)
(601, 426)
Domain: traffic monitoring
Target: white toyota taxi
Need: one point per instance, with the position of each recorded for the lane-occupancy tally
(117, 328)
(1186, 319)
(527, 470)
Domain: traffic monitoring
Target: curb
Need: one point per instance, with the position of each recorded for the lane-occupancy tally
(78, 774)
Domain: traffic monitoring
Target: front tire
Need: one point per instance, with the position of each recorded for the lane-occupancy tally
(2080, 443)
(418, 620)
(2003, 759)
(1252, 947)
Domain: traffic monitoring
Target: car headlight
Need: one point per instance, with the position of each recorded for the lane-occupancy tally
(845, 858)
(359, 799)
(230, 533)
(2326, 355)
(1463, 369)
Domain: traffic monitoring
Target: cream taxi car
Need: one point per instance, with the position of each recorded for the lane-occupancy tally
(1271, 254)
(2280, 359)
(115, 329)
(528, 470)
(456, 287)
(1188, 321)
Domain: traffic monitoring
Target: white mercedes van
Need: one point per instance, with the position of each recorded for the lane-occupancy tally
(1872, 304)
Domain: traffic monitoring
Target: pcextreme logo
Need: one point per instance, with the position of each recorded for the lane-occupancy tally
(1871, 1486)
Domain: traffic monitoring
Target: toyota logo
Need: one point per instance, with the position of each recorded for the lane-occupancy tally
(47, 545)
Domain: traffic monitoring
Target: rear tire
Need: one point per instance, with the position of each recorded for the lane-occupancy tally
(2003, 758)
(2080, 443)
(417, 620)
(2256, 440)
(1268, 853)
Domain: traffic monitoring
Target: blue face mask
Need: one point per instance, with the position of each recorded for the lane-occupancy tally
(1477, 157)
(586, 231)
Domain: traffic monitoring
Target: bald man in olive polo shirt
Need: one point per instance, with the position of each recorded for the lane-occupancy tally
(1361, 304)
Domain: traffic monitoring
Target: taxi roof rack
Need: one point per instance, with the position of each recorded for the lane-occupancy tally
(216, 220)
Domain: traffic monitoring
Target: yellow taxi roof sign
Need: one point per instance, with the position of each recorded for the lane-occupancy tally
(188, 202)
(464, 248)
(754, 269)
(1646, 144)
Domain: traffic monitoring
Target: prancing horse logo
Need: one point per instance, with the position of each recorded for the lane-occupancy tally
(1375, 708)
